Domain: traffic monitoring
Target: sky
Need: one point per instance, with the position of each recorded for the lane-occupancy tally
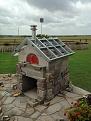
(61, 17)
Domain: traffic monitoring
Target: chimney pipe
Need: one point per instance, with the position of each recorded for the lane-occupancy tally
(33, 28)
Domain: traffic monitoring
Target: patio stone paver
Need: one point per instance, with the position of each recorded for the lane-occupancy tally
(45, 118)
(20, 108)
(35, 115)
(54, 108)
(20, 118)
(40, 108)
(9, 100)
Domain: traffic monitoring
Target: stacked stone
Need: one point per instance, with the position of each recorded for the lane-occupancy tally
(66, 78)
(41, 89)
(50, 85)
(53, 84)
(57, 83)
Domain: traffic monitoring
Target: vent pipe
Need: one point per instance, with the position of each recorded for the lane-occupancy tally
(33, 28)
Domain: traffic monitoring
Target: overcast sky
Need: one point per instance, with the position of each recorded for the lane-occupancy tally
(60, 16)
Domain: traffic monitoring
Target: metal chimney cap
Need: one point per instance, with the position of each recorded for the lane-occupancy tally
(33, 27)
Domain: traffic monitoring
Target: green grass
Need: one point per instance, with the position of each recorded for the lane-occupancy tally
(79, 65)
(80, 69)
(7, 63)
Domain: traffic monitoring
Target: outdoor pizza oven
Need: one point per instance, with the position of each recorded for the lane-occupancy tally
(43, 66)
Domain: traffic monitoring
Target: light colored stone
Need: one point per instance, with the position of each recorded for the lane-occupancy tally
(72, 95)
(4, 93)
(3, 100)
(9, 100)
(19, 118)
(40, 108)
(64, 104)
(43, 114)
(56, 100)
(20, 102)
(71, 100)
(33, 103)
(80, 91)
(41, 94)
(45, 118)
(56, 116)
(28, 111)
(14, 112)
(7, 107)
(54, 108)
(35, 115)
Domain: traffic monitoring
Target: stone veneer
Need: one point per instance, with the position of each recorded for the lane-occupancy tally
(55, 80)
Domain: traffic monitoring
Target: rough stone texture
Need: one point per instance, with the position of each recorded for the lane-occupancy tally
(56, 100)
(19, 118)
(54, 108)
(20, 108)
(56, 116)
(41, 94)
(20, 102)
(35, 115)
(40, 108)
(45, 118)
(54, 80)
(9, 100)
(14, 112)
(28, 111)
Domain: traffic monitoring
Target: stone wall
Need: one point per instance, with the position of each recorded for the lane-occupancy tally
(54, 81)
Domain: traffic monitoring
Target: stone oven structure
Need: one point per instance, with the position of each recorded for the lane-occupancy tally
(43, 65)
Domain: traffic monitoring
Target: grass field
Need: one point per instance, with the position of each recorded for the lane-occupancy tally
(79, 65)
(80, 68)
(7, 63)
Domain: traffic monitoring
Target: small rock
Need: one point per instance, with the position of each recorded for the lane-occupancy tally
(14, 87)
(1, 84)
(6, 118)
(0, 110)
(16, 93)
(46, 103)
(9, 75)
(1, 114)
(43, 114)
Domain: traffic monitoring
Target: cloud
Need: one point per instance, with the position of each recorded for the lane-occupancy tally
(60, 16)
(52, 5)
